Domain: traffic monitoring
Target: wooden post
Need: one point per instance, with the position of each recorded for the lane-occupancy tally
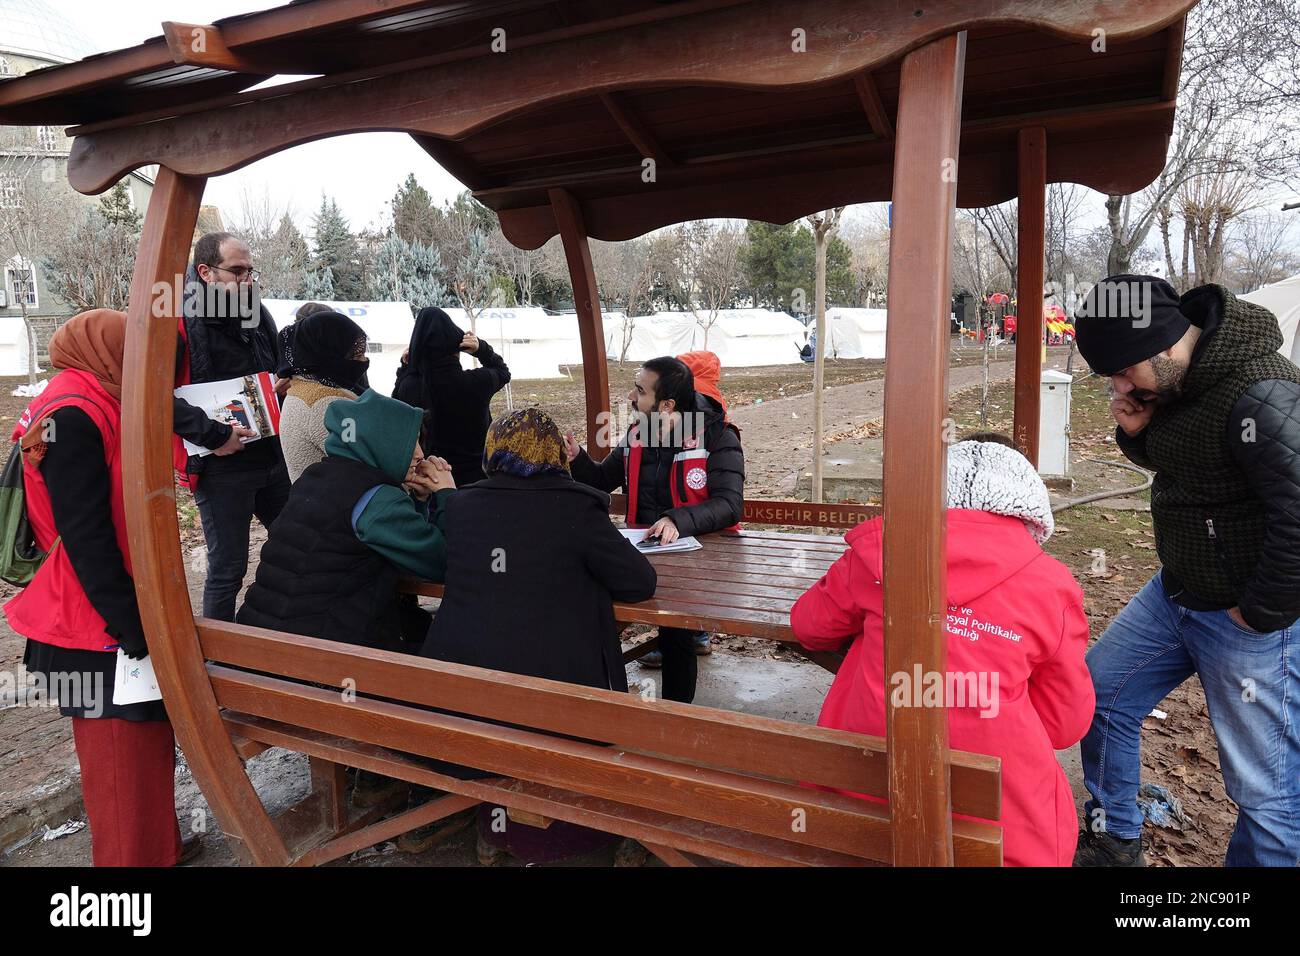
(1029, 289)
(586, 299)
(916, 402)
(154, 536)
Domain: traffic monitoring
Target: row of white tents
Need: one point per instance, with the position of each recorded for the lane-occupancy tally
(536, 344)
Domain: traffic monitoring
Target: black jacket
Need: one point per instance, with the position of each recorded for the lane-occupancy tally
(725, 504)
(533, 568)
(1225, 502)
(455, 400)
(220, 348)
(315, 577)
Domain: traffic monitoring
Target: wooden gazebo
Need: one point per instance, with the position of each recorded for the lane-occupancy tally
(607, 119)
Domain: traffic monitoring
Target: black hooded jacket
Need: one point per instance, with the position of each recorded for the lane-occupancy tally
(726, 468)
(455, 400)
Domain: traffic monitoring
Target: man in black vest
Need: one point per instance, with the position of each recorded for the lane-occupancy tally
(1202, 398)
(227, 334)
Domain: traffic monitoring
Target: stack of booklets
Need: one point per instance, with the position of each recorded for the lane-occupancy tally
(637, 537)
(249, 401)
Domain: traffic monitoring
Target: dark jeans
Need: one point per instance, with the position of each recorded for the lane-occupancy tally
(227, 500)
(680, 666)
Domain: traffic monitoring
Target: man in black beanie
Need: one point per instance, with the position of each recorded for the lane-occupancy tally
(1202, 398)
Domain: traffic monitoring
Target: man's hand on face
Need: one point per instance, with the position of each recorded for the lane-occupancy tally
(1130, 414)
(233, 443)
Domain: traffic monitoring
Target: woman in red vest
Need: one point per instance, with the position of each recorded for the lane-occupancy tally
(80, 607)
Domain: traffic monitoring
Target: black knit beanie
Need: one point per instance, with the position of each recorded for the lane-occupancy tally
(1126, 319)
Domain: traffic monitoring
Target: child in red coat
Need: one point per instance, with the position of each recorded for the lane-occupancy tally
(1016, 685)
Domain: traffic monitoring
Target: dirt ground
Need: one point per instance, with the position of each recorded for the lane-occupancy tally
(37, 763)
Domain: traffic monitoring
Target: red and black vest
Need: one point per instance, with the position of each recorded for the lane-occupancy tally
(688, 478)
(54, 608)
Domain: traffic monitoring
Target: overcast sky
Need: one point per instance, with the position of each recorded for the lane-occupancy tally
(361, 171)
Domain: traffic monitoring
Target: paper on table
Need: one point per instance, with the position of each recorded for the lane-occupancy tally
(635, 535)
(134, 682)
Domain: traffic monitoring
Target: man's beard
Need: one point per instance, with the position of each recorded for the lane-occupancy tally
(1169, 380)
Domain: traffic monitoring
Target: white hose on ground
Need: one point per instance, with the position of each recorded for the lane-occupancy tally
(1098, 496)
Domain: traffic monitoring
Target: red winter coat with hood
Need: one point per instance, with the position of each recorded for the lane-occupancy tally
(1015, 617)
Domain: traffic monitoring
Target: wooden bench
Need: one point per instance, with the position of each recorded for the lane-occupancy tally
(690, 783)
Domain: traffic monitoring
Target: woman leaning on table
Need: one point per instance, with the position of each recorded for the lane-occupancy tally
(80, 606)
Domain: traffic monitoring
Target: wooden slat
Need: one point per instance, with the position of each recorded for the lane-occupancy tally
(872, 106)
(721, 738)
(1029, 289)
(916, 398)
(388, 829)
(716, 843)
(834, 822)
(638, 134)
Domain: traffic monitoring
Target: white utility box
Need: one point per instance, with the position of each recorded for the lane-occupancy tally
(1054, 424)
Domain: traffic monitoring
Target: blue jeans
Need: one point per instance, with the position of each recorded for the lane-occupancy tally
(227, 500)
(1252, 689)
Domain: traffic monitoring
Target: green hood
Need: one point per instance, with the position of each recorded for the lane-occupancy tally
(375, 430)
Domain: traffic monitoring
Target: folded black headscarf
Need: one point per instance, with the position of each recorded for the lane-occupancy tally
(329, 348)
(435, 339)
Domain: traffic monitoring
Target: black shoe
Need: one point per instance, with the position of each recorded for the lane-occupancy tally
(1102, 849)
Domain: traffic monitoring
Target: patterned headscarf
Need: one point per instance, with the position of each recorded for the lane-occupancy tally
(525, 443)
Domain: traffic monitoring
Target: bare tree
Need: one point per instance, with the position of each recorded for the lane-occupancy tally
(33, 210)
(1262, 252)
(868, 242)
(823, 225)
(1238, 109)
(701, 265)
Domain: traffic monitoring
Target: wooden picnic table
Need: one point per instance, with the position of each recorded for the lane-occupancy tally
(740, 583)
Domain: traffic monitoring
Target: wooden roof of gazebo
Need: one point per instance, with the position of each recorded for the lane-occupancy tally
(738, 122)
(931, 105)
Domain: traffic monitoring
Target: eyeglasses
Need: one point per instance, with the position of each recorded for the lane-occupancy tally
(240, 273)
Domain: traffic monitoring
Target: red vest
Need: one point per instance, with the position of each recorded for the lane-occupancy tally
(53, 608)
(688, 479)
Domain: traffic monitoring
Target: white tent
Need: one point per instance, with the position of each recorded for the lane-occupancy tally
(13, 345)
(855, 333)
(739, 337)
(1283, 300)
(533, 343)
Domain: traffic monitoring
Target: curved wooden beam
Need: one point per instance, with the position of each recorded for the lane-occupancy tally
(746, 45)
(154, 536)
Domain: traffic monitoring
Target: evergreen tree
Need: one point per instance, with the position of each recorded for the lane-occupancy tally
(319, 285)
(409, 272)
(336, 249)
(115, 207)
(415, 218)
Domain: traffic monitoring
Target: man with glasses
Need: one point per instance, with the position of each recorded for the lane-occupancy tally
(226, 333)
